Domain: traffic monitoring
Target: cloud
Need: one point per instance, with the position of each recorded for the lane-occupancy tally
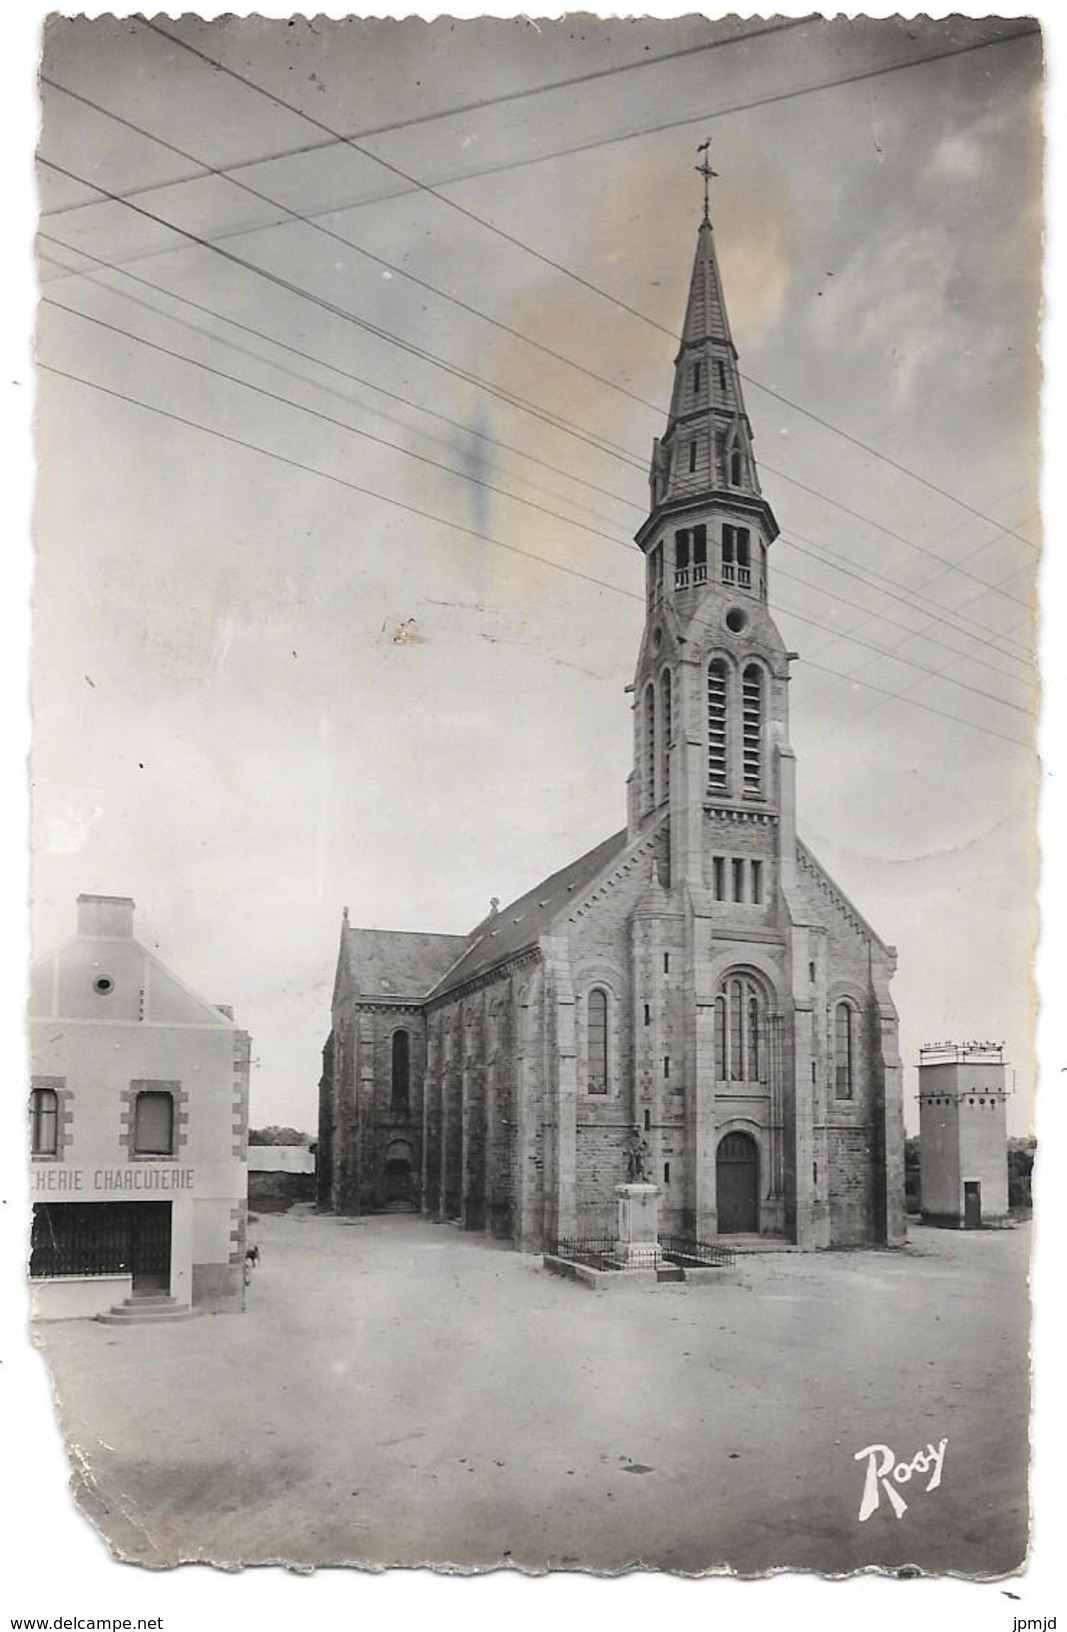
(896, 298)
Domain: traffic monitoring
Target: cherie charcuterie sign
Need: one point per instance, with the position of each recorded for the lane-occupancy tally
(111, 1181)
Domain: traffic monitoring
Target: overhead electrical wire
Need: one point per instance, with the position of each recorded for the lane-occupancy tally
(921, 632)
(337, 138)
(969, 627)
(458, 109)
(557, 421)
(363, 323)
(496, 443)
(426, 187)
(328, 419)
(426, 515)
(780, 571)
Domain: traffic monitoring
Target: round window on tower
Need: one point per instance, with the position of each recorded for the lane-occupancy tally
(736, 620)
(103, 984)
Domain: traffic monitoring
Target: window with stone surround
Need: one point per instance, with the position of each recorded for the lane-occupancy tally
(718, 770)
(44, 1122)
(596, 1044)
(665, 705)
(401, 1069)
(752, 731)
(655, 573)
(153, 1123)
(741, 1030)
(844, 1050)
(650, 746)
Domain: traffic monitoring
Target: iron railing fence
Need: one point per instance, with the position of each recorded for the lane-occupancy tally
(598, 1251)
(602, 1251)
(686, 1249)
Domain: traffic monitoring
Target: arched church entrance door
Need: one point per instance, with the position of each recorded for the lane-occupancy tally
(398, 1189)
(737, 1184)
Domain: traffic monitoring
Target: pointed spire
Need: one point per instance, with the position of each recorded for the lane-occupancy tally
(707, 445)
(705, 313)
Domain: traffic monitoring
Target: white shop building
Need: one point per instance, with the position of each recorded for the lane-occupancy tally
(139, 1127)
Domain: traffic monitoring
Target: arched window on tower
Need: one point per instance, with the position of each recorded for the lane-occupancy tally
(752, 731)
(401, 1069)
(844, 1050)
(735, 467)
(718, 779)
(655, 574)
(741, 1029)
(650, 746)
(596, 1055)
(720, 1038)
(665, 734)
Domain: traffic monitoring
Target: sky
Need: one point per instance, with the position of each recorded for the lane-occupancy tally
(360, 636)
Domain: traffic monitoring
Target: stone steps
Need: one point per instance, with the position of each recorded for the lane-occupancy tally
(145, 1308)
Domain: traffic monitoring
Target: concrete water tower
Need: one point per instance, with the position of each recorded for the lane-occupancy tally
(963, 1138)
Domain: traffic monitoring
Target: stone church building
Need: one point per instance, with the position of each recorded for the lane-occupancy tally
(698, 977)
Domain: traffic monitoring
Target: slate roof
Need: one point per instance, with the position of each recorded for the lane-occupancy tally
(520, 924)
(389, 963)
(399, 963)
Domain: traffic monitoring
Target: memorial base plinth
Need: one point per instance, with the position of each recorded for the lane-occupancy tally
(637, 1246)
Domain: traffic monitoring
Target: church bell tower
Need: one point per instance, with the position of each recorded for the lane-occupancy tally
(710, 706)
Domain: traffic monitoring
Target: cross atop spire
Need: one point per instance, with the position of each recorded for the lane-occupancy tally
(704, 169)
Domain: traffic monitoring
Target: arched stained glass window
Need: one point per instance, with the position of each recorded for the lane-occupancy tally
(720, 1039)
(844, 1050)
(740, 1030)
(401, 1067)
(665, 734)
(597, 1041)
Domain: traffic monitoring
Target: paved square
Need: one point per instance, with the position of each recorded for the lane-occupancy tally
(399, 1393)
